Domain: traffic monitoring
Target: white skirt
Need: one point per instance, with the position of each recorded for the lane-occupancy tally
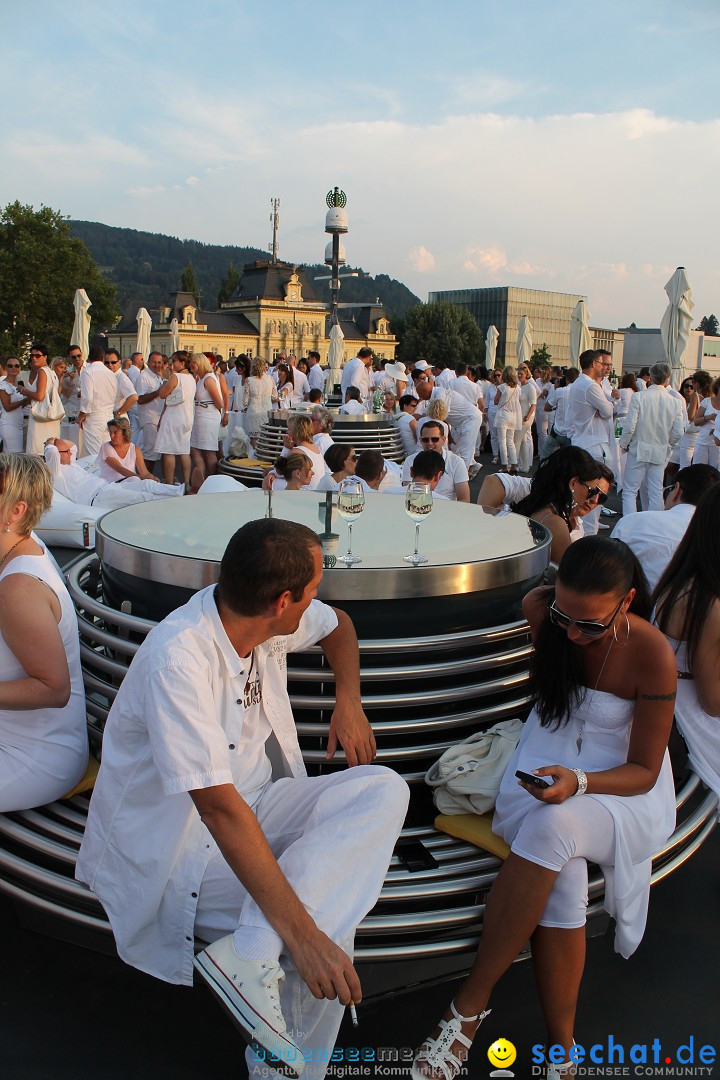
(206, 428)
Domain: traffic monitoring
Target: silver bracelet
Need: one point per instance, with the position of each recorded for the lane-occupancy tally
(582, 781)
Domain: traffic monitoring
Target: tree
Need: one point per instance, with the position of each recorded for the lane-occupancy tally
(228, 285)
(189, 284)
(541, 355)
(440, 331)
(41, 266)
(709, 326)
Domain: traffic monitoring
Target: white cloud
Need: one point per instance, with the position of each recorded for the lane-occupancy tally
(422, 260)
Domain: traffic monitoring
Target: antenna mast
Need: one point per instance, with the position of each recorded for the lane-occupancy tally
(275, 221)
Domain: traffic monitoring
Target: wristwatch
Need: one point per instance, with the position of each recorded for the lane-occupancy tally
(582, 781)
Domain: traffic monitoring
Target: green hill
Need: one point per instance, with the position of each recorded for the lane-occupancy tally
(146, 266)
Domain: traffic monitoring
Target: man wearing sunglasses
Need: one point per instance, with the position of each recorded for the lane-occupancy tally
(454, 483)
(652, 427)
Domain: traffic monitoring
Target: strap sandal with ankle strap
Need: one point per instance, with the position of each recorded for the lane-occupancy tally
(561, 1072)
(436, 1055)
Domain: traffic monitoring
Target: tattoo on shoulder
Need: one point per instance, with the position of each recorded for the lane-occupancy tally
(658, 697)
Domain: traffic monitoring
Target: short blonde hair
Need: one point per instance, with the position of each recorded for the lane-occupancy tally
(436, 409)
(509, 376)
(57, 361)
(300, 428)
(258, 367)
(122, 424)
(25, 478)
(204, 367)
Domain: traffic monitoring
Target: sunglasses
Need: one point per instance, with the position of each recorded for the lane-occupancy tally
(588, 627)
(8, 366)
(431, 438)
(110, 363)
(595, 493)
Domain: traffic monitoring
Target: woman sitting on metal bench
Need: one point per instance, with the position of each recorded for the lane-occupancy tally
(599, 788)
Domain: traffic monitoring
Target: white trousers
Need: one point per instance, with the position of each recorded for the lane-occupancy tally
(524, 447)
(333, 837)
(639, 473)
(563, 837)
(707, 454)
(95, 432)
(133, 491)
(542, 424)
(466, 436)
(506, 442)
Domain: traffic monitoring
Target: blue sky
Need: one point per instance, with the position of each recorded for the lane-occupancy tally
(548, 146)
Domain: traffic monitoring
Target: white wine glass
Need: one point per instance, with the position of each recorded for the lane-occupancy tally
(351, 503)
(418, 504)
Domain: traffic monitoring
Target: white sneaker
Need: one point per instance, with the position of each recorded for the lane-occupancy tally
(249, 991)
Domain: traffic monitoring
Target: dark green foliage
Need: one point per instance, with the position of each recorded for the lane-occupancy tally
(439, 331)
(229, 284)
(41, 266)
(541, 355)
(188, 282)
(709, 326)
(147, 267)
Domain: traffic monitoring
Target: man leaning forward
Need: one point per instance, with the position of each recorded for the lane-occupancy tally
(192, 832)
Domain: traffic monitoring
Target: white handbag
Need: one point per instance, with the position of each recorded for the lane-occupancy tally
(49, 408)
(466, 779)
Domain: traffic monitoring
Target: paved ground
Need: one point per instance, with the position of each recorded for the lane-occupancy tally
(66, 1012)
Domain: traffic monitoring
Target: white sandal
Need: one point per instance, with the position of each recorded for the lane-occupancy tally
(437, 1053)
(561, 1072)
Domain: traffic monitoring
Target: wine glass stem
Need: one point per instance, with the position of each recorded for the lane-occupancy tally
(349, 551)
(417, 538)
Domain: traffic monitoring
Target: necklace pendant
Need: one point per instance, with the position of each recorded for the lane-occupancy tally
(579, 742)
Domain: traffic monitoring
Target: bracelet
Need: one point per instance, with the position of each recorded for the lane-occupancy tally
(582, 781)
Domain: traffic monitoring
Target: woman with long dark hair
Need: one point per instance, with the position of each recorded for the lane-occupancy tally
(566, 486)
(604, 683)
(688, 613)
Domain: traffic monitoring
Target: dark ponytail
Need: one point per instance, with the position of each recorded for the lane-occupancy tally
(592, 566)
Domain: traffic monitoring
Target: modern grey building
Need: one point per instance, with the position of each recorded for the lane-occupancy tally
(504, 306)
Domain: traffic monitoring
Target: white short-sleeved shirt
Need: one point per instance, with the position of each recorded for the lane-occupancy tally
(455, 473)
(177, 724)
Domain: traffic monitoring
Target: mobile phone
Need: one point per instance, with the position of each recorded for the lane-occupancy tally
(528, 778)
(414, 856)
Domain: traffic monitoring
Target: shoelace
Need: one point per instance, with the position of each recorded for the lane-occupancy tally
(273, 974)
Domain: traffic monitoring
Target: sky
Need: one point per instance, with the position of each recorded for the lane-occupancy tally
(568, 147)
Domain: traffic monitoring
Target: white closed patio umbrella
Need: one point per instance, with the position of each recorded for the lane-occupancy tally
(174, 337)
(491, 341)
(81, 327)
(335, 354)
(523, 346)
(580, 339)
(677, 323)
(144, 324)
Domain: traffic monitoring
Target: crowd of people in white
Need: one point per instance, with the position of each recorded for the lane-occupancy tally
(656, 444)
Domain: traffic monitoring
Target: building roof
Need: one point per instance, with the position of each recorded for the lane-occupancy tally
(266, 280)
(217, 322)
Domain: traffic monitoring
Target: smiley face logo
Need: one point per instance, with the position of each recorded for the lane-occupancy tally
(502, 1053)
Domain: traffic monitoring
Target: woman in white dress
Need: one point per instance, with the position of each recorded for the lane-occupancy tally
(686, 449)
(11, 407)
(706, 452)
(340, 460)
(43, 734)
(523, 434)
(507, 419)
(407, 424)
(291, 473)
(209, 409)
(300, 437)
(604, 681)
(42, 383)
(688, 613)
(259, 396)
(175, 426)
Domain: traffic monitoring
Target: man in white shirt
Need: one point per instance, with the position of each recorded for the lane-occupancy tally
(653, 425)
(358, 372)
(654, 535)
(88, 489)
(353, 405)
(125, 396)
(149, 405)
(464, 420)
(98, 390)
(190, 835)
(454, 484)
(587, 411)
(316, 375)
(137, 366)
(466, 387)
(444, 375)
